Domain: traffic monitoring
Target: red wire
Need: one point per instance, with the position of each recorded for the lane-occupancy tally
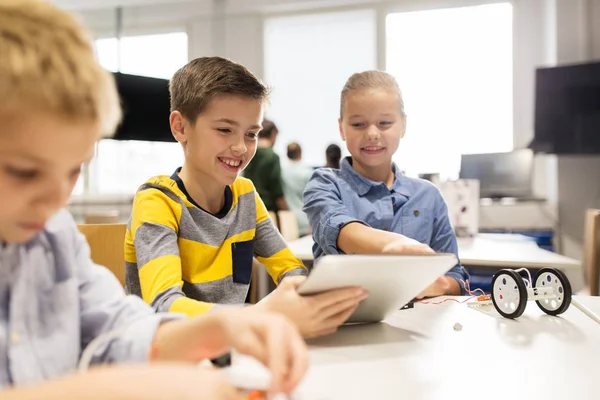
(467, 286)
(445, 300)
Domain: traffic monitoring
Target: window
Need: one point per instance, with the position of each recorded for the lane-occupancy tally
(157, 56)
(307, 61)
(120, 167)
(454, 67)
(123, 166)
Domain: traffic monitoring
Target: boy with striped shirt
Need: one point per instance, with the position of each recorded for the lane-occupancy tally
(192, 235)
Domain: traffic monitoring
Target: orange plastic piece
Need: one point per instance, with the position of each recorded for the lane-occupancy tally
(257, 395)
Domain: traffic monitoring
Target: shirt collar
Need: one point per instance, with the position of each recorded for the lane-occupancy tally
(362, 185)
(228, 196)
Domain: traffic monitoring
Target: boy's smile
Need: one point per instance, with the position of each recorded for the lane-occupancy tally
(233, 165)
(218, 146)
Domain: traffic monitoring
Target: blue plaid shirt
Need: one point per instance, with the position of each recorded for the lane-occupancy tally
(54, 301)
(412, 207)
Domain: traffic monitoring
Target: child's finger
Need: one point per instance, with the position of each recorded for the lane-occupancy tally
(292, 281)
(251, 344)
(298, 361)
(340, 307)
(334, 321)
(278, 352)
(325, 300)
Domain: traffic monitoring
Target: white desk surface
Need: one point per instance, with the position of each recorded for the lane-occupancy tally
(484, 250)
(417, 354)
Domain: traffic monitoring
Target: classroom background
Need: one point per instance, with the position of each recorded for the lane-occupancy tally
(471, 80)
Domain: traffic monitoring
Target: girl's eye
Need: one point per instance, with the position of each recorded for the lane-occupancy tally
(23, 173)
(224, 130)
(358, 124)
(252, 135)
(75, 172)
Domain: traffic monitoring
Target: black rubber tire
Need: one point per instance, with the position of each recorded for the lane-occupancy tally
(522, 293)
(567, 292)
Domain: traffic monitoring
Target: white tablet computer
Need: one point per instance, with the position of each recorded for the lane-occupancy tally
(391, 280)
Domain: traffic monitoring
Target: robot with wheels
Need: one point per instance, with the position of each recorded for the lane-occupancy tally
(511, 290)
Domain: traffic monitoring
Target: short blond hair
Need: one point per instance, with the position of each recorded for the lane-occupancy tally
(371, 80)
(47, 64)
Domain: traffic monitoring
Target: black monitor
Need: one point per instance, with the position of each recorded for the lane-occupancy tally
(146, 108)
(500, 175)
(567, 110)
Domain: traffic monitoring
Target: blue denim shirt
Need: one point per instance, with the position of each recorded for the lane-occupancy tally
(412, 207)
(54, 301)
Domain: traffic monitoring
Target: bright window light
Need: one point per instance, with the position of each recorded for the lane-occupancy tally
(307, 61)
(454, 67)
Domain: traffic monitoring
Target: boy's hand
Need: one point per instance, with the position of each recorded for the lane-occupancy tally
(268, 337)
(406, 245)
(315, 315)
(273, 340)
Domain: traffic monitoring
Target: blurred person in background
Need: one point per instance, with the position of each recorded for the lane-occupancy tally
(265, 169)
(333, 155)
(295, 177)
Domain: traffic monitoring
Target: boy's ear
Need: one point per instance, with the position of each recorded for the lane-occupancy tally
(341, 127)
(176, 121)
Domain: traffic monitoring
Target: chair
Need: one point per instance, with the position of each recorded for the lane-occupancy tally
(253, 292)
(288, 225)
(591, 251)
(273, 216)
(106, 243)
(101, 217)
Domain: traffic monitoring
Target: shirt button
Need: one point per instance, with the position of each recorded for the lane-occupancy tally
(15, 338)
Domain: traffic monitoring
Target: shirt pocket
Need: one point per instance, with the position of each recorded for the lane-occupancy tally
(242, 254)
(417, 224)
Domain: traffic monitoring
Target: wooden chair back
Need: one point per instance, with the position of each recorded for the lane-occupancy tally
(107, 246)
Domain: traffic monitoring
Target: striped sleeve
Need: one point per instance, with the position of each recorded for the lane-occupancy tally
(154, 233)
(271, 249)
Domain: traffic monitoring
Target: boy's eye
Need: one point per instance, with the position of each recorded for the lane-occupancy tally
(385, 122)
(224, 130)
(23, 173)
(252, 135)
(358, 124)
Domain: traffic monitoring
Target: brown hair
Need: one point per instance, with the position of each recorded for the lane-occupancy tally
(333, 155)
(196, 83)
(268, 128)
(294, 151)
(47, 64)
(371, 80)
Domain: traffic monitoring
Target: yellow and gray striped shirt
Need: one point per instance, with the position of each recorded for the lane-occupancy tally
(181, 258)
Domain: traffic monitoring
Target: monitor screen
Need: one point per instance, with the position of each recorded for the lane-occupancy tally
(500, 174)
(567, 110)
(146, 108)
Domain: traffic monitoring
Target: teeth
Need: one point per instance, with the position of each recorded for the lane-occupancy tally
(372, 148)
(233, 163)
